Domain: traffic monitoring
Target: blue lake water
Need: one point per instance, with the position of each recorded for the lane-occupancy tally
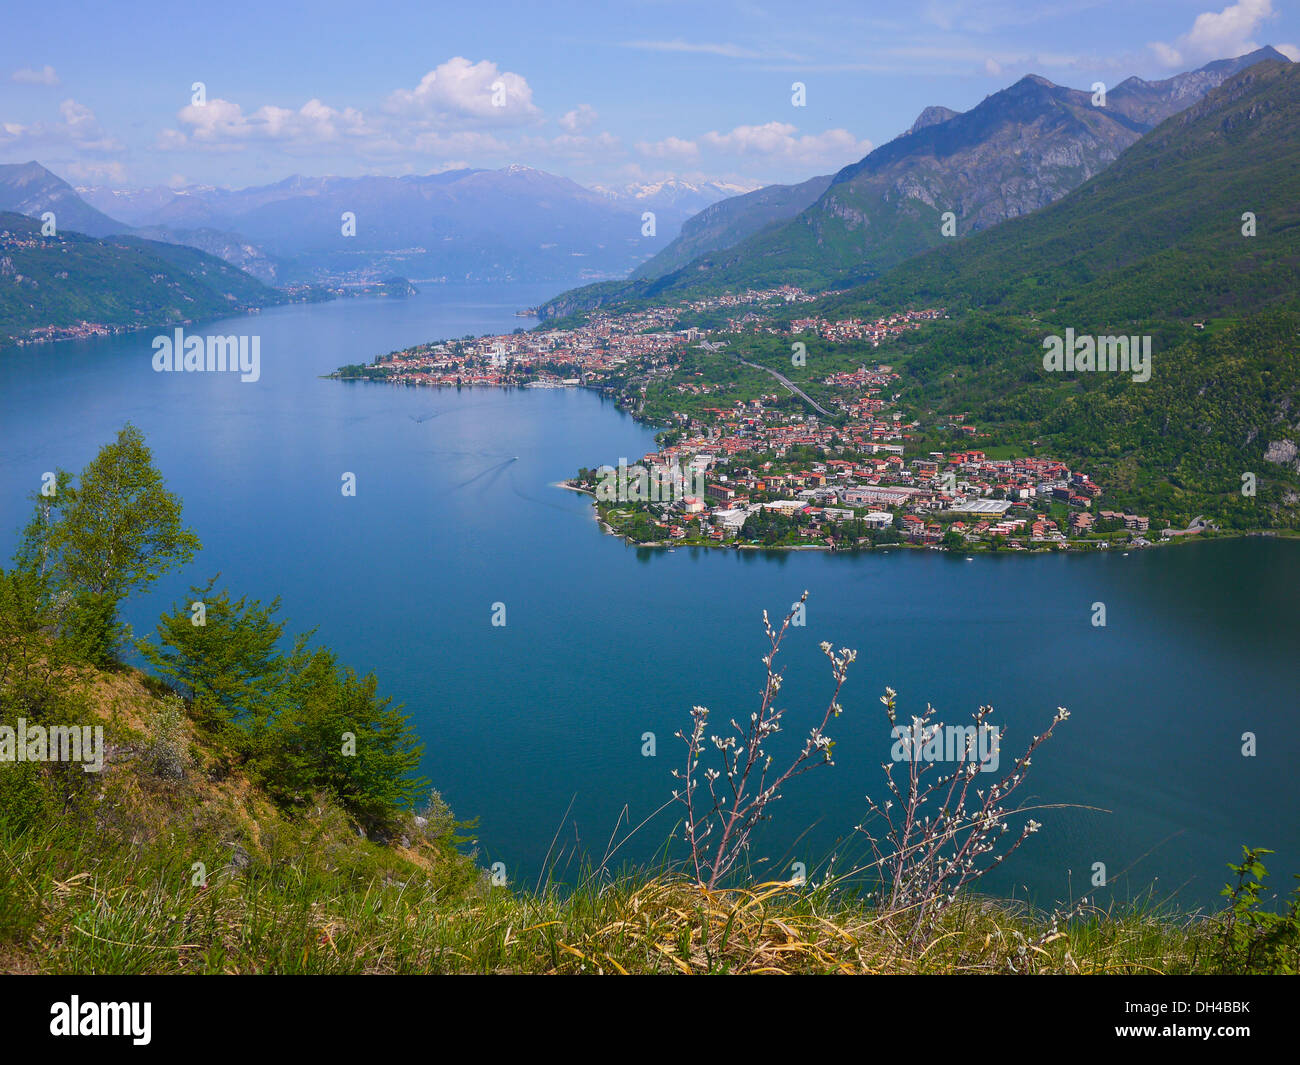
(536, 727)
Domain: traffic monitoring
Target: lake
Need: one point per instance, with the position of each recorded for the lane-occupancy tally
(536, 727)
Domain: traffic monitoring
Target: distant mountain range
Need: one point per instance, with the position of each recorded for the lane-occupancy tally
(678, 200)
(1017, 151)
(481, 225)
(514, 223)
(30, 189)
(730, 221)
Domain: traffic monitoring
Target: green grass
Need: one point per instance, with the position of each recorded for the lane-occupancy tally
(69, 907)
(103, 879)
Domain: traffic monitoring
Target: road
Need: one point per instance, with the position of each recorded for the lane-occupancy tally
(794, 389)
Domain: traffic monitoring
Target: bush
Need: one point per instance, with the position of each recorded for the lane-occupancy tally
(1255, 940)
(168, 753)
(301, 722)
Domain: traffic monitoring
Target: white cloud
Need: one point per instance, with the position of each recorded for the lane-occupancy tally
(78, 130)
(79, 118)
(450, 112)
(222, 123)
(580, 118)
(771, 143)
(731, 51)
(469, 143)
(1222, 34)
(669, 148)
(110, 173)
(461, 93)
(1167, 54)
(577, 143)
(29, 76)
(780, 141)
(171, 140)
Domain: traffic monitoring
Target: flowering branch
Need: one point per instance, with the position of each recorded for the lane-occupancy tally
(734, 807)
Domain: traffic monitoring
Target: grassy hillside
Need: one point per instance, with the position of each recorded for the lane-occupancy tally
(175, 860)
(120, 282)
(1220, 403)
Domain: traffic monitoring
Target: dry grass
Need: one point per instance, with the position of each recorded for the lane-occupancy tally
(109, 887)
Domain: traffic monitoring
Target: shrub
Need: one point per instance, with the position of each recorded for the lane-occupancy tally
(168, 753)
(1253, 939)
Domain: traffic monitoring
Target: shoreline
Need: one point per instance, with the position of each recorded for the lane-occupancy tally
(1068, 547)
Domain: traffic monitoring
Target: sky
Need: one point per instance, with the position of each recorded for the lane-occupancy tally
(135, 94)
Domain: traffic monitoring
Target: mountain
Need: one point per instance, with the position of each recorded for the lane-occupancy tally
(675, 200)
(932, 116)
(468, 224)
(1155, 246)
(730, 221)
(1019, 150)
(234, 249)
(1158, 235)
(1153, 101)
(30, 189)
(74, 284)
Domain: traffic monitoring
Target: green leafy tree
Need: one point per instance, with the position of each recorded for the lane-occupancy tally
(336, 733)
(32, 664)
(228, 666)
(91, 544)
(301, 722)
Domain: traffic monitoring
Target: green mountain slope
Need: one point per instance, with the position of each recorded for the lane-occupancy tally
(1154, 247)
(728, 222)
(1157, 236)
(57, 283)
(1017, 151)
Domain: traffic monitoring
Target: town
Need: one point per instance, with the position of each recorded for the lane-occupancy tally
(766, 469)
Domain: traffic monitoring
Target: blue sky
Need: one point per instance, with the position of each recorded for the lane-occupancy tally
(604, 93)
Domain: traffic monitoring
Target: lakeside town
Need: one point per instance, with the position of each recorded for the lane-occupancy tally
(779, 468)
